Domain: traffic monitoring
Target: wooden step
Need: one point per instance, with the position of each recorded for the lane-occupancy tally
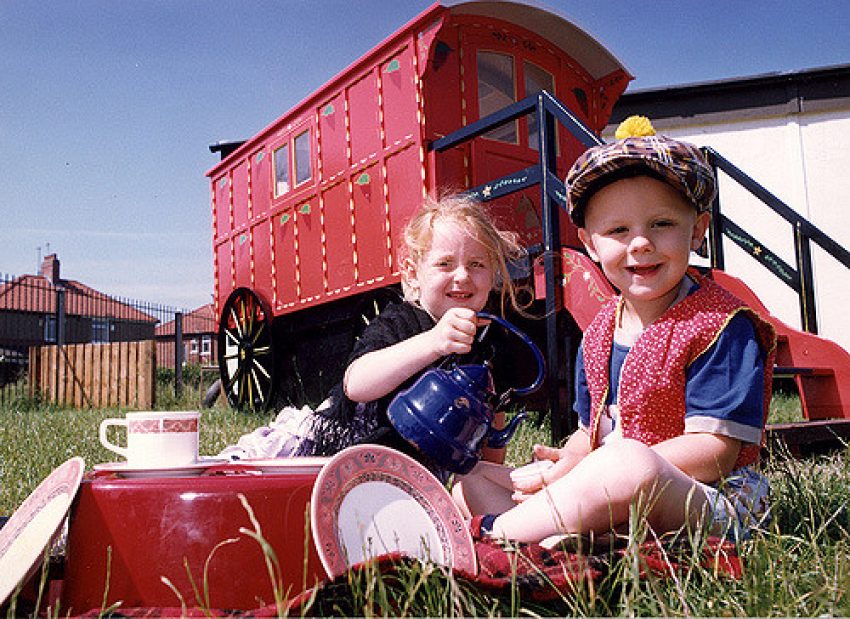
(786, 371)
(807, 438)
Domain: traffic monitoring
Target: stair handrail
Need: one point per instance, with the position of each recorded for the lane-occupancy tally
(799, 278)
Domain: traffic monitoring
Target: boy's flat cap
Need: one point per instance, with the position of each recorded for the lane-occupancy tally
(677, 163)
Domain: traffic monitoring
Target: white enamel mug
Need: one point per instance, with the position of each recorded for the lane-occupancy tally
(156, 439)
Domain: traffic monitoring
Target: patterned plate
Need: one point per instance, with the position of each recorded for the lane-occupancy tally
(35, 523)
(370, 500)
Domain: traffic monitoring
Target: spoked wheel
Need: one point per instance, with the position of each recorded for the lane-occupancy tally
(372, 305)
(246, 351)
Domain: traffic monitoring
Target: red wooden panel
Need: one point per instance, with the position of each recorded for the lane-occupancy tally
(404, 180)
(221, 189)
(370, 224)
(363, 118)
(225, 277)
(338, 232)
(441, 86)
(493, 160)
(398, 90)
(332, 139)
(240, 195)
(242, 259)
(285, 284)
(260, 237)
(261, 179)
(310, 275)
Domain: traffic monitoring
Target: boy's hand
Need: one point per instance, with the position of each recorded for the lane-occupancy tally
(455, 332)
(564, 460)
(528, 485)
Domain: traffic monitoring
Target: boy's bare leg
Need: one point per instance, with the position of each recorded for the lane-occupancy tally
(597, 493)
(486, 489)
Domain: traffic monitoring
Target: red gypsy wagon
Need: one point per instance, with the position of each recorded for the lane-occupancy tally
(308, 214)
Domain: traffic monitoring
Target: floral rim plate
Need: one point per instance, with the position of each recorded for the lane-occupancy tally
(370, 500)
(125, 469)
(35, 524)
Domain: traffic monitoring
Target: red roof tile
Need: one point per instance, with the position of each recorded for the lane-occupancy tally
(34, 293)
(198, 321)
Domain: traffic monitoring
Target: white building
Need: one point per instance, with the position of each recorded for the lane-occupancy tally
(791, 133)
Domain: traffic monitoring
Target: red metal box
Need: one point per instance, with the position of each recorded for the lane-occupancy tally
(126, 535)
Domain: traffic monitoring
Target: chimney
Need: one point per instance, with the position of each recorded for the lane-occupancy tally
(50, 269)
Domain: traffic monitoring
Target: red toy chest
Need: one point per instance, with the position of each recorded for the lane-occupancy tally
(127, 535)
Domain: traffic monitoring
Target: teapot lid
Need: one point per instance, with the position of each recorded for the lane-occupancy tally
(474, 377)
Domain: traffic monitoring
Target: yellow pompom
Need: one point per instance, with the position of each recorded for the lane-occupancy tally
(634, 127)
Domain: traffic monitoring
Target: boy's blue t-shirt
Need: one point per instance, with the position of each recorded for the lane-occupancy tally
(724, 392)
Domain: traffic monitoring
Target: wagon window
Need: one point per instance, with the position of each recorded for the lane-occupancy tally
(536, 79)
(303, 168)
(281, 170)
(496, 89)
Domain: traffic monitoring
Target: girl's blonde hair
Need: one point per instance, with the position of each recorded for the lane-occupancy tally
(468, 214)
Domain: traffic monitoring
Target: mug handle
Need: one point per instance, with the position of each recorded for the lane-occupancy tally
(121, 451)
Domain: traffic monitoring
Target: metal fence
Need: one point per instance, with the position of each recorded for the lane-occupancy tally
(36, 312)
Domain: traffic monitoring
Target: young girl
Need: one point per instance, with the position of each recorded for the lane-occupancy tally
(673, 378)
(454, 259)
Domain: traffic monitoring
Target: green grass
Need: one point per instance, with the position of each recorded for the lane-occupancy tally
(785, 408)
(800, 566)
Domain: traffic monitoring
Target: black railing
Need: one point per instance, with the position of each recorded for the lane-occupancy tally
(800, 277)
(552, 194)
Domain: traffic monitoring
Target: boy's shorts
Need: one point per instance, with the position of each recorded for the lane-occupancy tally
(739, 503)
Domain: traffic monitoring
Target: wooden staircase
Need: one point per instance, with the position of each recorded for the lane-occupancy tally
(820, 370)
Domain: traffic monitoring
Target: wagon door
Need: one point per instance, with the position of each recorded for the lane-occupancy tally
(502, 65)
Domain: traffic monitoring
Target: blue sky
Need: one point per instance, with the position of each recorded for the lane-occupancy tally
(107, 107)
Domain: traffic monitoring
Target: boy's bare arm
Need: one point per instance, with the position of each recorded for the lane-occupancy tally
(705, 457)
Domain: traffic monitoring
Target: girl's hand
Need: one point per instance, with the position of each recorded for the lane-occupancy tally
(455, 332)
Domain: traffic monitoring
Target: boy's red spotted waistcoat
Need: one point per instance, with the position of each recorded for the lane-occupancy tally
(651, 395)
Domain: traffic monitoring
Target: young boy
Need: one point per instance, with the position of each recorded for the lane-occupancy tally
(673, 378)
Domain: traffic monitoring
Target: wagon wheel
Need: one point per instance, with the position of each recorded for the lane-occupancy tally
(245, 351)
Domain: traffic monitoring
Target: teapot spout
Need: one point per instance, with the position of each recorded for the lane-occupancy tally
(500, 438)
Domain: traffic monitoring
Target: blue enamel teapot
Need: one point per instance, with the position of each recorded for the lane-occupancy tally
(448, 414)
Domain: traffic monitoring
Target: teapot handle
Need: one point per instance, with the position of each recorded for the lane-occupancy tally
(541, 363)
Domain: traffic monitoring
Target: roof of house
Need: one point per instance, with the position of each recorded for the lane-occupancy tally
(803, 90)
(197, 322)
(36, 293)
